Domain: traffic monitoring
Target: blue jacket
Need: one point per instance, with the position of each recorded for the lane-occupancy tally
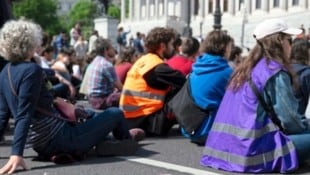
(208, 81)
(27, 79)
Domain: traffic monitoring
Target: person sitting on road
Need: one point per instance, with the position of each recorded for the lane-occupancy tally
(184, 60)
(235, 57)
(257, 128)
(150, 83)
(124, 62)
(63, 75)
(300, 55)
(23, 93)
(208, 80)
(103, 84)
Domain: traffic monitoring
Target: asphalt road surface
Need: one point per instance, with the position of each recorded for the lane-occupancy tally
(172, 155)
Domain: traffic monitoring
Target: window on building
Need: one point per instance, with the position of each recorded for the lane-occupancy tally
(295, 2)
(241, 4)
(276, 3)
(258, 4)
(196, 7)
(210, 5)
(225, 5)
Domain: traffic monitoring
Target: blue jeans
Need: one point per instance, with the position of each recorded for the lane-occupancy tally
(302, 145)
(61, 90)
(81, 138)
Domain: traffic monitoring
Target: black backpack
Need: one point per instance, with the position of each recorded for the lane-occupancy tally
(119, 40)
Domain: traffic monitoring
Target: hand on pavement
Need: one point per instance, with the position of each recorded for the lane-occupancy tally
(13, 163)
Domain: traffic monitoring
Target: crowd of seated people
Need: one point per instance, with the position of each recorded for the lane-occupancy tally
(257, 103)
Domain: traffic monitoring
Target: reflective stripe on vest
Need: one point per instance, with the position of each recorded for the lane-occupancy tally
(148, 95)
(253, 160)
(129, 107)
(244, 133)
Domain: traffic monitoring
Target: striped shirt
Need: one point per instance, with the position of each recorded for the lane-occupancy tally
(43, 130)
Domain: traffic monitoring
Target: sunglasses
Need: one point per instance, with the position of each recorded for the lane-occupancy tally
(290, 40)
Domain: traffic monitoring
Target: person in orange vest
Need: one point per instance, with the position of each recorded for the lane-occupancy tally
(150, 83)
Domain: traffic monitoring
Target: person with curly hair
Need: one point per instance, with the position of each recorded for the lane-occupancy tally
(37, 122)
(150, 83)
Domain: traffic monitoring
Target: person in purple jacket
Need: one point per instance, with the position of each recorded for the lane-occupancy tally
(245, 136)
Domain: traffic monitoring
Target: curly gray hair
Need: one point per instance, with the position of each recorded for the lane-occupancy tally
(18, 39)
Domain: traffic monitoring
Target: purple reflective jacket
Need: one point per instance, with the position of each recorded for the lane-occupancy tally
(240, 141)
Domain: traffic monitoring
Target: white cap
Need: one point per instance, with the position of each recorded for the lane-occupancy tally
(272, 26)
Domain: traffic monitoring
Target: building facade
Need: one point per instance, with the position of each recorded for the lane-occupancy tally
(239, 17)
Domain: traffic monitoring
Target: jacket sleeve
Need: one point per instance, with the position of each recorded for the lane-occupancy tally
(280, 92)
(162, 77)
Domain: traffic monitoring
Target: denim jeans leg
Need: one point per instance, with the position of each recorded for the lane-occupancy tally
(82, 137)
(302, 145)
(61, 90)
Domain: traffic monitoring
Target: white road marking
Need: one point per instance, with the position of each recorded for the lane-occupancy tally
(169, 166)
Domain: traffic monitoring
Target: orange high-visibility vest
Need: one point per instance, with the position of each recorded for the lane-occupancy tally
(137, 98)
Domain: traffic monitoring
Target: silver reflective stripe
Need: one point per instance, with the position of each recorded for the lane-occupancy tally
(244, 133)
(250, 161)
(129, 108)
(143, 94)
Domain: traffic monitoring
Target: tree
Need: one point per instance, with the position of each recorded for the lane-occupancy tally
(42, 12)
(114, 11)
(84, 12)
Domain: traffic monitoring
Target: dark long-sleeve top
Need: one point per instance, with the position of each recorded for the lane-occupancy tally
(27, 79)
(162, 77)
(303, 91)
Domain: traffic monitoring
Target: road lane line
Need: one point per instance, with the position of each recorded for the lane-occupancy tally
(169, 166)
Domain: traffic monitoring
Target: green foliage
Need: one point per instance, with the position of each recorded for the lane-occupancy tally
(83, 12)
(114, 11)
(42, 12)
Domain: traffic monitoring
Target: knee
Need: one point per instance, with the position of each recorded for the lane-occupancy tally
(115, 112)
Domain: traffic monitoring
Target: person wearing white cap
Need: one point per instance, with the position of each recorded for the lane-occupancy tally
(257, 128)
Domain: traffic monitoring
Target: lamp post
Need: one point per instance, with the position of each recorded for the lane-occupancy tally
(200, 28)
(187, 32)
(217, 16)
(244, 21)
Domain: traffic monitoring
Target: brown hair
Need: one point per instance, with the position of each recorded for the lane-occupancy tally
(101, 45)
(269, 47)
(215, 43)
(190, 46)
(158, 35)
(300, 51)
(126, 55)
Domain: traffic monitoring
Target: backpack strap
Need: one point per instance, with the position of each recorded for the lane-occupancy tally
(10, 80)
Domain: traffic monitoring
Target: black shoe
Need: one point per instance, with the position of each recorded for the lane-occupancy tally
(126, 147)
